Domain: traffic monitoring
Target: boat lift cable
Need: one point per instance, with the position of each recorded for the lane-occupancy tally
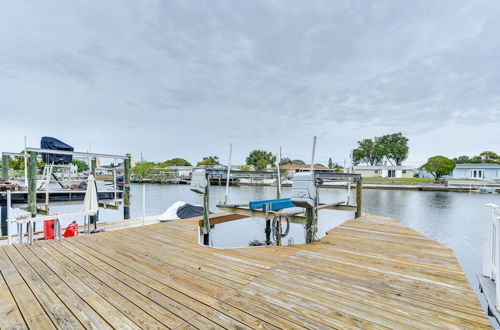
(314, 230)
(276, 227)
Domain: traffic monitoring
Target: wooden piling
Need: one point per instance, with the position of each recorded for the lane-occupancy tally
(32, 173)
(126, 187)
(206, 215)
(311, 222)
(5, 167)
(268, 231)
(93, 164)
(359, 197)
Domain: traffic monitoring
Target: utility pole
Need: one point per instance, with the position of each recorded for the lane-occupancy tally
(313, 153)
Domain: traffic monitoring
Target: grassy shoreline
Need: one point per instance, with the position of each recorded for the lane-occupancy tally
(398, 180)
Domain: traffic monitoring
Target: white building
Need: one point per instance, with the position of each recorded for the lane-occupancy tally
(380, 171)
(476, 171)
(184, 171)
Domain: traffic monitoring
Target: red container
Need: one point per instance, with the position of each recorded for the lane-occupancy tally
(71, 230)
(48, 229)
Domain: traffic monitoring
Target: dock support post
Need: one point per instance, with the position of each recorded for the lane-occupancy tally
(126, 187)
(93, 163)
(5, 167)
(32, 173)
(268, 231)
(359, 197)
(311, 223)
(206, 216)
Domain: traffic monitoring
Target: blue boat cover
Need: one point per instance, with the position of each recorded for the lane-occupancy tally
(51, 143)
(189, 211)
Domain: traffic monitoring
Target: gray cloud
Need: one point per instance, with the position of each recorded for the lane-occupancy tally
(185, 78)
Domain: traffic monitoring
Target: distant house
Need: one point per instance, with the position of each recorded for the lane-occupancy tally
(476, 171)
(242, 167)
(290, 169)
(379, 171)
(184, 171)
(104, 171)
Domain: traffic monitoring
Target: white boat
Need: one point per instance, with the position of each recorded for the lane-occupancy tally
(487, 190)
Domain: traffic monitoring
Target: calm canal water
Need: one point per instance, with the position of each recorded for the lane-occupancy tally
(454, 219)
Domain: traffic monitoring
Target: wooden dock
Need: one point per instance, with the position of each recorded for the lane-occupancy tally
(371, 272)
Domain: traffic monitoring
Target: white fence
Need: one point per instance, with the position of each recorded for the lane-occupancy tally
(491, 253)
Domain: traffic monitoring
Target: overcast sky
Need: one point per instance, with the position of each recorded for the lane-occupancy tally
(186, 78)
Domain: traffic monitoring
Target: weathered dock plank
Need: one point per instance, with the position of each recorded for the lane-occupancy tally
(371, 272)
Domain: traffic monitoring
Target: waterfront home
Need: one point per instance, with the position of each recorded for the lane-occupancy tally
(104, 171)
(289, 170)
(184, 171)
(242, 168)
(382, 171)
(476, 171)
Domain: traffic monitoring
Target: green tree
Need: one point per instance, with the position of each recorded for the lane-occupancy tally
(174, 162)
(260, 159)
(337, 168)
(462, 159)
(395, 147)
(81, 166)
(490, 157)
(17, 163)
(210, 160)
(141, 169)
(286, 161)
(476, 160)
(438, 166)
(369, 151)
(330, 163)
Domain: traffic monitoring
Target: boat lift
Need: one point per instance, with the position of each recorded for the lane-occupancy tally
(31, 154)
(304, 196)
(303, 204)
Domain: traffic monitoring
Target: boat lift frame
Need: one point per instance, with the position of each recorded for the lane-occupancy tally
(31, 155)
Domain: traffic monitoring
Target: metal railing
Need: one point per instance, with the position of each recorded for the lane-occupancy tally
(491, 252)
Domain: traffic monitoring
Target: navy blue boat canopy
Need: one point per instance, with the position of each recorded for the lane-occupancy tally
(51, 143)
